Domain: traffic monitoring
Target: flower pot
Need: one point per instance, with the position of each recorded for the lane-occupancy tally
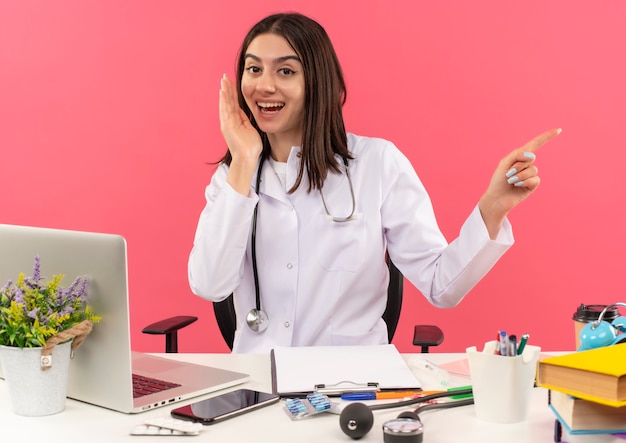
(33, 391)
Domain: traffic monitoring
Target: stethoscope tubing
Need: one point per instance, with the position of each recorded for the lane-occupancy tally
(427, 398)
(257, 291)
(255, 217)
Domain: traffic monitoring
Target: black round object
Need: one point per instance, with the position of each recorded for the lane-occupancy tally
(356, 420)
(589, 313)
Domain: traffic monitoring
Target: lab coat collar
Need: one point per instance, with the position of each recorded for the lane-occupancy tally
(333, 180)
(272, 186)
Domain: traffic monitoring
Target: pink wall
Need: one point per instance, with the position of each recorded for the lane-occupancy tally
(108, 113)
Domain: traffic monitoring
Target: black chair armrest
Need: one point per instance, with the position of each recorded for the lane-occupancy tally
(426, 336)
(170, 327)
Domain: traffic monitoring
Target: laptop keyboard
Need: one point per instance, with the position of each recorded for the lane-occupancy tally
(143, 385)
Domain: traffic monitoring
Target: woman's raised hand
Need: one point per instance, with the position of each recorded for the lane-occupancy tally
(515, 178)
(242, 138)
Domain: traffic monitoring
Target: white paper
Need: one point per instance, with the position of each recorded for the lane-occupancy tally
(350, 368)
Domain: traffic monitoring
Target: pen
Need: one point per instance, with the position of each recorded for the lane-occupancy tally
(373, 395)
(504, 344)
(461, 388)
(513, 343)
(497, 349)
(522, 344)
(386, 395)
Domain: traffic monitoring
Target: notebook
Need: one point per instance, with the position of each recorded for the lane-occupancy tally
(101, 372)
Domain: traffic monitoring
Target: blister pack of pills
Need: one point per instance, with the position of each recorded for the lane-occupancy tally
(315, 403)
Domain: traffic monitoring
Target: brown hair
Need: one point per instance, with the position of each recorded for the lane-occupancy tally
(324, 133)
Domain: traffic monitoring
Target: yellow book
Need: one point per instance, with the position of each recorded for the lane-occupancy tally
(597, 375)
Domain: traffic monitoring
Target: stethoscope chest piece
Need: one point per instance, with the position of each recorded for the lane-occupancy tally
(403, 430)
(257, 320)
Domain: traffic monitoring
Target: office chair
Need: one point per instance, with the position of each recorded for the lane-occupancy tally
(424, 336)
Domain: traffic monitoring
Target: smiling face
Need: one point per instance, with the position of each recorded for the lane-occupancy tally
(272, 85)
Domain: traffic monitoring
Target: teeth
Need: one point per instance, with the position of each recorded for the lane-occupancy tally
(270, 105)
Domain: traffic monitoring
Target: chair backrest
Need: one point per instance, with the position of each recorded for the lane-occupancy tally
(394, 299)
(227, 320)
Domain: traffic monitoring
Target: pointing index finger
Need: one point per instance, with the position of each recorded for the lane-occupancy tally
(541, 139)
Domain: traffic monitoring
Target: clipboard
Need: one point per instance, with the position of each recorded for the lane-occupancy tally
(335, 370)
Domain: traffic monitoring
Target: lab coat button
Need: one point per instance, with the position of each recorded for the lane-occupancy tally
(289, 266)
(287, 324)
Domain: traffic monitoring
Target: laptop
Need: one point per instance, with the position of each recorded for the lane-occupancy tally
(102, 370)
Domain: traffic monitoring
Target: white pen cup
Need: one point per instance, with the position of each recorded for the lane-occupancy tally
(502, 386)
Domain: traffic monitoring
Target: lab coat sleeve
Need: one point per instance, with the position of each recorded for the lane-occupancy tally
(217, 258)
(444, 273)
(467, 259)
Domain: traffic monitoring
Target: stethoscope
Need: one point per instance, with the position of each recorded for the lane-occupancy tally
(257, 319)
(357, 419)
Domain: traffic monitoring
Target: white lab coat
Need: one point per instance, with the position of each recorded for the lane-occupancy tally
(323, 282)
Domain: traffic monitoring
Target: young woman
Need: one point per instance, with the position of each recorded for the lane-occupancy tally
(300, 214)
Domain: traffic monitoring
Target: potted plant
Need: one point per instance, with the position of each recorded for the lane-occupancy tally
(41, 323)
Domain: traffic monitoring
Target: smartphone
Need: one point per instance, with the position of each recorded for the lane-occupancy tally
(224, 406)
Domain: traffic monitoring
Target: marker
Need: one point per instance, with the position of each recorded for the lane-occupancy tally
(497, 349)
(522, 344)
(461, 388)
(504, 344)
(513, 345)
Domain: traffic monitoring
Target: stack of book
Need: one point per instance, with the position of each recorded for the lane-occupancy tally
(587, 389)
(578, 415)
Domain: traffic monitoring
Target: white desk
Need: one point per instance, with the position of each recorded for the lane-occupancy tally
(85, 422)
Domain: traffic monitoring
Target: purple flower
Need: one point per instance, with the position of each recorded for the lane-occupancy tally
(82, 291)
(32, 313)
(7, 286)
(18, 295)
(33, 282)
(67, 311)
